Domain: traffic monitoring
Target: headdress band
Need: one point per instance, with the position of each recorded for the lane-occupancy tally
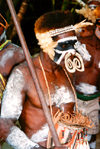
(69, 28)
(61, 30)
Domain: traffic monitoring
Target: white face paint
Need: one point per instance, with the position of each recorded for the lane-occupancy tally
(62, 95)
(18, 140)
(72, 51)
(92, 6)
(86, 88)
(12, 95)
(40, 135)
(67, 39)
(81, 48)
(60, 52)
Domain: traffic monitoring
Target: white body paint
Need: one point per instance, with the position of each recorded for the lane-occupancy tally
(86, 88)
(18, 140)
(12, 108)
(81, 48)
(12, 95)
(40, 135)
(10, 54)
(99, 65)
(5, 56)
(62, 95)
(12, 103)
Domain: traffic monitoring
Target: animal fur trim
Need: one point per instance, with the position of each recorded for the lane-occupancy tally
(46, 43)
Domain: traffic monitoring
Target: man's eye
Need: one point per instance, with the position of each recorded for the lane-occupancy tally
(64, 46)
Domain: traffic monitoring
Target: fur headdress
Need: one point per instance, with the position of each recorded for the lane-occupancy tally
(51, 24)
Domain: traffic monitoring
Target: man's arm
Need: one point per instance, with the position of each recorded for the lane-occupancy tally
(11, 109)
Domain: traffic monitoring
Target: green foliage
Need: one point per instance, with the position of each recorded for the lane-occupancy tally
(6, 146)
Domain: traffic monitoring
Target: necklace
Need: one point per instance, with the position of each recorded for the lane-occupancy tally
(5, 43)
(57, 117)
(46, 85)
(75, 96)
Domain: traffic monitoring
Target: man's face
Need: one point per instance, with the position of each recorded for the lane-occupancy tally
(64, 46)
(65, 53)
(93, 4)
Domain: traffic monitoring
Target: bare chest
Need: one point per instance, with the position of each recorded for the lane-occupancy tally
(56, 89)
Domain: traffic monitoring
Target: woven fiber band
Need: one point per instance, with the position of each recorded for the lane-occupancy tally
(61, 30)
(87, 97)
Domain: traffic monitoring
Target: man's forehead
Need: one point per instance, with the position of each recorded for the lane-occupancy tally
(95, 3)
(64, 35)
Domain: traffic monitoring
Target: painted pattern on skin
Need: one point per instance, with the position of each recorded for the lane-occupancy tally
(60, 96)
(19, 140)
(9, 54)
(41, 135)
(99, 65)
(81, 48)
(5, 56)
(86, 88)
(16, 83)
(14, 109)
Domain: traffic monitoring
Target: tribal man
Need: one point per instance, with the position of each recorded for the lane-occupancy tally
(87, 83)
(57, 39)
(10, 55)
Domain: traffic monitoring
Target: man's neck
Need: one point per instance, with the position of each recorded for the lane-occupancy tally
(47, 63)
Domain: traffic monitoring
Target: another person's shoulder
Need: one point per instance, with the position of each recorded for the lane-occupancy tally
(14, 47)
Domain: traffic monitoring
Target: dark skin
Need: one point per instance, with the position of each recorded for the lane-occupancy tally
(92, 69)
(32, 117)
(90, 36)
(10, 56)
(17, 57)
(54, 77)
(10, 61)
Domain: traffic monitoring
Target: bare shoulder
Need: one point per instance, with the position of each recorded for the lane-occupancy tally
(12, 53)
(24, 70)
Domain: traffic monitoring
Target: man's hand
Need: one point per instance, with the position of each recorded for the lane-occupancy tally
(68, 107)
(5, 125)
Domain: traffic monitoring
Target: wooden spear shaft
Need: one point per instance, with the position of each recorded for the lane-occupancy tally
(33, 73)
